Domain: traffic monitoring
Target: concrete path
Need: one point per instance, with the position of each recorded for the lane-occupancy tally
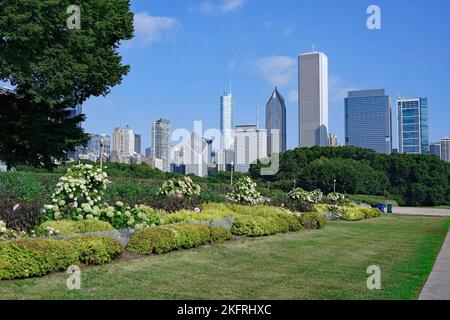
(431, 212)
(437, 286)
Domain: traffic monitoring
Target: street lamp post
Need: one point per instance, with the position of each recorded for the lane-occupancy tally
(101, 154)
(295, 184)
(232, 171)
(334, 185)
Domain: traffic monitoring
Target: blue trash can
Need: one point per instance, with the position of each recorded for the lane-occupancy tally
(390, 208)
(380, 207)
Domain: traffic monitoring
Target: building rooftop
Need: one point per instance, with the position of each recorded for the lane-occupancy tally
(366, 93)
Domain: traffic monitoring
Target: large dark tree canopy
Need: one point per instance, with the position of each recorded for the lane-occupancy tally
(51, 63)
(53, 68)
(33, 134)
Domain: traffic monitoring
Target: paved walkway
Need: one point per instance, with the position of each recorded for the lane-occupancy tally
(431, 212)
(437, 286)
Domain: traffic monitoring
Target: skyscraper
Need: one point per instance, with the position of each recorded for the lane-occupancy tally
(193, 155)
(123, 145)
(445, 149)
(250, 146)
(435, 149)
(313, 99)
(226, 120)
(94, 145)
(137, 143)
(161, 141)
(332, 140)
(368, 120)
(75, 112)
(413, 127)
(276, 123)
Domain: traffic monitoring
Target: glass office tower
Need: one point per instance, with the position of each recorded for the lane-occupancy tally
(368, 120)
(226, 121)
(413, 126)
(276, 123)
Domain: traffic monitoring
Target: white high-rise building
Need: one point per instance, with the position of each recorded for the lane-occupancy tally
(250, 146)
(160, 144)
(123, 145)
(313, 99)
(194, 154)
(226, 121)
(445, 149)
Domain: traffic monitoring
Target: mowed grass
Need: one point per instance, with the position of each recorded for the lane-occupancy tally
(323, 264)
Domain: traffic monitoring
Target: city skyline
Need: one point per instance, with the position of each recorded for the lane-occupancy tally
(186, 88)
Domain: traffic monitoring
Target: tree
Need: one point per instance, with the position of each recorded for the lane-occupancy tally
(51, 63)
(33, 134)
(54, 68)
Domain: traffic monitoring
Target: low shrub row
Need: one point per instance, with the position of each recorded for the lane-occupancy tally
(257, 226)
(163, 239)
(312, 220)
(359, 213)
(65, 227)
(349, 212)
(37, 257)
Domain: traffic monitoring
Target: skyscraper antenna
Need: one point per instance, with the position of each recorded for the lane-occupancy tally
(230, 88)
(257, 110)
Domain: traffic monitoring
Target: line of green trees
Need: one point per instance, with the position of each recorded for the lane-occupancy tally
(416, 180)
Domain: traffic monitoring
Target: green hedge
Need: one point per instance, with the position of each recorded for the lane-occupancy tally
(257, 226)
(36, 257)
(66, 227)
(312, 220)
(96, 251)
(360, 213)
(159, 240)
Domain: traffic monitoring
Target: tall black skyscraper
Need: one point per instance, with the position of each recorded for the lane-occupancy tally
(276, 123)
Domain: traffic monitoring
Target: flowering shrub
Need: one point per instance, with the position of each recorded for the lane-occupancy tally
(20, 216)
(337, 199)
(180, 188)
(304, 201)
(336, 211)
(119, 216)
(4, 232)
(82, 186)
(137, 217)
(245, 192)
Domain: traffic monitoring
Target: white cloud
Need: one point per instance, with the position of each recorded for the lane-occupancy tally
(289, 30)
(231, 5)
(222, 6)
(277, 70)
(338, 89)
(293, 96)
(150, 29)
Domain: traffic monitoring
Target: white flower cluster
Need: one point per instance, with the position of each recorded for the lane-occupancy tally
(52, 231)
(120, 216)
(337, 199)
(306, 198)
(245, 192)
(336, 211)
(5, 233)
(3, 227)
(83, 185)
(180, 188)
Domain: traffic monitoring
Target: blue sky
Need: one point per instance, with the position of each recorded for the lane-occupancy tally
(185, 52)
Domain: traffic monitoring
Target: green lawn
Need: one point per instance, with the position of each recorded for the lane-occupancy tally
(324, 264)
